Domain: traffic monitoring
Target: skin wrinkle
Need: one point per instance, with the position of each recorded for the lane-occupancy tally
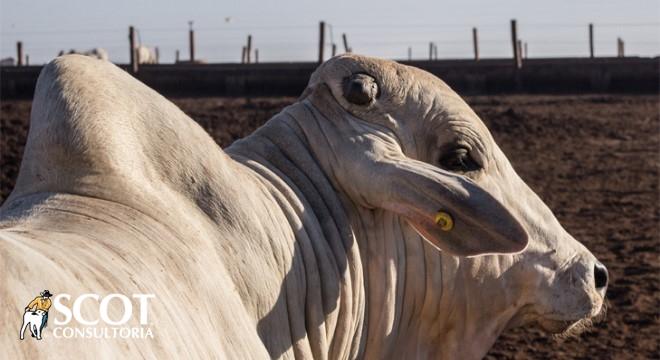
(28, 197)
(402, 265)
(291, 184)
(344, 297)
(367, 243)
(309, 196)
(356, 311)
(337, 259)
(336, 159)
(383, 320)
(335, 216)
(398, 265)
(464, 132)
(411, 296)
(267, 190)
(308, 107)
(346, 303)
(318, 189)
(310, 256)
(377, 128)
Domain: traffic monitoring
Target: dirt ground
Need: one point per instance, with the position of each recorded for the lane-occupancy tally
(593, 159)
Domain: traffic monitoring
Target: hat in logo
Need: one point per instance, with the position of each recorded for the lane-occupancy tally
(46, 293)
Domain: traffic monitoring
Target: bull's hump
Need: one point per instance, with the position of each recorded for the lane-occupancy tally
(97, 131)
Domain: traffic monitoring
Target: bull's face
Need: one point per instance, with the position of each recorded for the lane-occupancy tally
(403, 141)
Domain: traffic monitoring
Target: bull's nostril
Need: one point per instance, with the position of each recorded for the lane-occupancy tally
(600, 275)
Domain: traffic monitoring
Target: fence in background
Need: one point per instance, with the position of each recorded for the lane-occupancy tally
(477, 75)
(488, 76)
(327, 41)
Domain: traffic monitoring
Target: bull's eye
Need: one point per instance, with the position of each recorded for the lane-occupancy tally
(458, 159)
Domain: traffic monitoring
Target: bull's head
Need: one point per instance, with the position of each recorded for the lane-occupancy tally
(398, 140)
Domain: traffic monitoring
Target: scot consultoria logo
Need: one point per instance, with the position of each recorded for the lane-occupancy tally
(35, 316)
(68, 321)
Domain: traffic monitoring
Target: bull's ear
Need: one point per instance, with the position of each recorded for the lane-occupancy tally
(451, 211)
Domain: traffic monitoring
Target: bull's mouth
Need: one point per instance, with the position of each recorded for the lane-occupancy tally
(558, 327)
(562, 329)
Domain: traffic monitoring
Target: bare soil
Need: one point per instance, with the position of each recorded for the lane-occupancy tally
(593, 159)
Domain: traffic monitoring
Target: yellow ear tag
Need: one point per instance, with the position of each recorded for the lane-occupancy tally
(444, 220)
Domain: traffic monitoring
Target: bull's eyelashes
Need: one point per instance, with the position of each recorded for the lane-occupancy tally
(360, 89)
(458, 159)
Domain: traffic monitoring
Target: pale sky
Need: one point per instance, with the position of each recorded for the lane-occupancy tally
(287, 30)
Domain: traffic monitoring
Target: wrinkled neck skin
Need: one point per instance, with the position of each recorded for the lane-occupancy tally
(386, 292)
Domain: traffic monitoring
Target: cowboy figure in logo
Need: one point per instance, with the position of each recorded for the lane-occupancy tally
(39, 306)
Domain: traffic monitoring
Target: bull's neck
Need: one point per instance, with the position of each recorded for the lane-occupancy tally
(386, 292)
(325, 262)
(423, 303)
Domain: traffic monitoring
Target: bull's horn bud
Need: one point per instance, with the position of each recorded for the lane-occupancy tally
(360, 89)
(444, 220)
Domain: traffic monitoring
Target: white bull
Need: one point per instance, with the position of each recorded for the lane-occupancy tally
(348, 226)
(146, 55)
(32, 320)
